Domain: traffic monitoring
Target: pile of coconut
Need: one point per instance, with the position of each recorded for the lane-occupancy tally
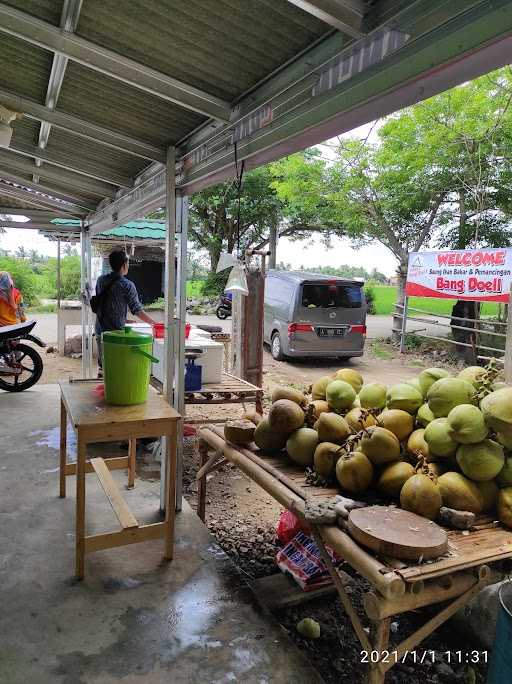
(433, 441)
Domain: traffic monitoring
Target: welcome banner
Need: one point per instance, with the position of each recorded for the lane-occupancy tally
(481, 275)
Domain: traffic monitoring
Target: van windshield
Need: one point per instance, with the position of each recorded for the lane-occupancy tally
(331, 295)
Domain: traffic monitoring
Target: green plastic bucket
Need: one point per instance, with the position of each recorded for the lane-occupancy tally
(127, 358)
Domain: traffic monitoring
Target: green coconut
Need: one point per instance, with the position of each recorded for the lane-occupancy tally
(288, 393)
(309, 628)
(373, 395)
(466, 424)
(438, 438)
(504, 477)
(393, 478)
(460, 493)
(417, 444)
(380, 445)
(421, 495)
(415, 382)
(340, 394)
(267, 439)
(497, 410)
(326, 457)
(357, 419)
(351, 376)
(504, 440)
(424, 415)
(489, 491)
(354, 472)
(332, 428)
(471, 374)
(318, 388)
(482, 461)
(301, 446)
(505, 506)
(404, 397)
(429, 376)
(447, 393)
(499, 384)
(399, 422)
(285, 416)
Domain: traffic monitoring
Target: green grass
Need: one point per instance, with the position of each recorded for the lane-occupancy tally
(194, 288)
(42, 308)
(385, 298)
(379, 352)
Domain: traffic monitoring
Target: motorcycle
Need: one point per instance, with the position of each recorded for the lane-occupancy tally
(224, 308)
(20, 365)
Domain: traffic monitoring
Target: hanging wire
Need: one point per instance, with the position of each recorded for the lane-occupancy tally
(238, 186)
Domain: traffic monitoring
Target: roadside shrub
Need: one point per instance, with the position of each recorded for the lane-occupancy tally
(369, 293)
(23, 276)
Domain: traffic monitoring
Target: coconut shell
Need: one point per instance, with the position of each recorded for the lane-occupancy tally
(354, 472)
(421, 495)
(239, 431)
(285, 416)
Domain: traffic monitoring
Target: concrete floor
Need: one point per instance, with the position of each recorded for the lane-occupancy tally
(134, 618)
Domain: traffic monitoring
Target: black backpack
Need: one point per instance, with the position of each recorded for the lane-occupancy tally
(97, 300)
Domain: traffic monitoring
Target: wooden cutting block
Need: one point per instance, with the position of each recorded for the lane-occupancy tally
(391, 531)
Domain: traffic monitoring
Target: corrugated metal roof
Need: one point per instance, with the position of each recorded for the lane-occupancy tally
(47, 10)
(102, 100)
(25, 68)
(221, 46)
(12, 203)
(25, 131)
(133, 230)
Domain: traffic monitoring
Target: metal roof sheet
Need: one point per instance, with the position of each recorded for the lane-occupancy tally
(107, 102)
(32, 79)
(48, 10)
(132, 230)
(221, 46)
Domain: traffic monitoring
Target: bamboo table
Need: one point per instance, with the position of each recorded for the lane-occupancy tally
(95, 421)
(475, 560)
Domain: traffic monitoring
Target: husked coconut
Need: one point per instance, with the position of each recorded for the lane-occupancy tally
(285, 416)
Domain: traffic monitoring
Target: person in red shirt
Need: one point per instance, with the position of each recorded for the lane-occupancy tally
(11, 301)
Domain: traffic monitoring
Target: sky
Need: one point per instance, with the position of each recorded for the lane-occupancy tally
(306, 253)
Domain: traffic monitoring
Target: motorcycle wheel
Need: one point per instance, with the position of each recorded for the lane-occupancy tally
(222, 313)
(32, 365)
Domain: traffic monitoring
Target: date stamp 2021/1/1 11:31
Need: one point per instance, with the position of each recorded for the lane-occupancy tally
(450, 657)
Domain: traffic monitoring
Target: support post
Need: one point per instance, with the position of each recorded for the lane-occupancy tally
(85, 279)
(170, 301)
(272, 259)
(58, 279)
(404, 324)
(508, 342)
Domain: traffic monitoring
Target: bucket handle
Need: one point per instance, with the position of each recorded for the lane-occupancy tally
(136, 350)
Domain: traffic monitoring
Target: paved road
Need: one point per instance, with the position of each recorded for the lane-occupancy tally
(378, 326)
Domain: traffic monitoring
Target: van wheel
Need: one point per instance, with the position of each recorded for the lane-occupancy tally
(275, 347)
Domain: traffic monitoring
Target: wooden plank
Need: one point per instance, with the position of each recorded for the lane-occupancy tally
(133, 535)
(80, 509)
(117, 463)
(119, 505)
(63, 449)
(280, 591)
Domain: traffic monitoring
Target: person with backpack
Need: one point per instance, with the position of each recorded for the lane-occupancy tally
(115, 295)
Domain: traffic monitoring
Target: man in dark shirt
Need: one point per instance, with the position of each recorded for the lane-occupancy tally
(121, 296)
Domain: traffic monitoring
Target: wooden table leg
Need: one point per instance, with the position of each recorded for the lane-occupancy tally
(63, 449)
(171, 443)
(132, 451)
(80, 507)
(379, 637)
(201, 485)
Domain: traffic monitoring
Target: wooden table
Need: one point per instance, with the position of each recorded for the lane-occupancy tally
(95, 421)
(475, 559)
(231, 390)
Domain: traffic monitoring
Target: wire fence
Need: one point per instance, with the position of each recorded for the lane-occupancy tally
(480, 335)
